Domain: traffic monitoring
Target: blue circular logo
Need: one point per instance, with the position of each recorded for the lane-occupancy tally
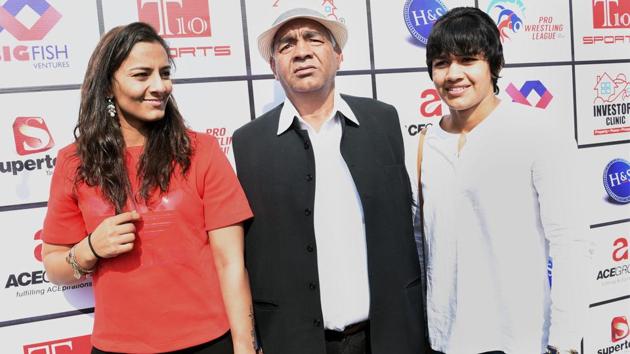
(420, 15)
(617, 180)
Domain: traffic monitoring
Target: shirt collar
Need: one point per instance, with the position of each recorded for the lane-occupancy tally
(289, 112)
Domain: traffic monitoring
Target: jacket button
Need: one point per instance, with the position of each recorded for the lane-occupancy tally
(317, 323)
(312, 286)
(310, 248)
(307, 146)
(309, 177)
(307, 212)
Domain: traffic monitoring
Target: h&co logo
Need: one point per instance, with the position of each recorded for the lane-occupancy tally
(76, 345)
(176, 18)
(31, 135)
(9, 12)
(611, 14)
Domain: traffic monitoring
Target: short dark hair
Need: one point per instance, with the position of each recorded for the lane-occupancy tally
(466, 31)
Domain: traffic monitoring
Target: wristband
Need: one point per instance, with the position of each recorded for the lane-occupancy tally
(76, 268)
(89, 237)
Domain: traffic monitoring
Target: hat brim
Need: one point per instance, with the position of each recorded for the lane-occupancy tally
(265, 39)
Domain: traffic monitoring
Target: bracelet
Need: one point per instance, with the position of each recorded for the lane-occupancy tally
(89, 237)
(76, 268)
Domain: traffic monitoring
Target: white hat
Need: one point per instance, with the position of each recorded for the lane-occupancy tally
(265, 39)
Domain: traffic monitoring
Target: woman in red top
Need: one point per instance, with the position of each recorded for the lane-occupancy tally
(152, 210)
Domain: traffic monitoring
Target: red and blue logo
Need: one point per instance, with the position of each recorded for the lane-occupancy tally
(521, 95)
(48, 18)
(617, 180)
(508, 15)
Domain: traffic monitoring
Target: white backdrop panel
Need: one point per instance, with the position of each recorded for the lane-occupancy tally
(56, 51)
(26, 291)
(216, 50)
(35, 126)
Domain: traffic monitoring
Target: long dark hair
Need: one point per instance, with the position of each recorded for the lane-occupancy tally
(99, 141)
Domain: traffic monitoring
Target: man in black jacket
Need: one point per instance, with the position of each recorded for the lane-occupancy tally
(330, 251)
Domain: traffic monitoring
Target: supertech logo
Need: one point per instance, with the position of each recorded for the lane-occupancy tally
(619, 331)
(508, 15)
(523, 94)
(14, 25)
(619, 270)
(611, 106)
(31, 136)
(617, 180)
(420, 15)
(182, 19)
(612, 15)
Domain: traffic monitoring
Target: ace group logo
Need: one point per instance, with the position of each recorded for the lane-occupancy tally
(430, 107)
(619, 270)
(611, 15)
(611, 106)
(74, 345)
(182, 19)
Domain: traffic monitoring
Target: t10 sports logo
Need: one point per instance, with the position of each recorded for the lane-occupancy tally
(176, 18)
(611, 14)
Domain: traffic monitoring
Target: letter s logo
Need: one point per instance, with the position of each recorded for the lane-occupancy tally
(31, 135)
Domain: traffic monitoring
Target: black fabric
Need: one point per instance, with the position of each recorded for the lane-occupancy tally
(221, 345)
(278, 175)
(356, 342)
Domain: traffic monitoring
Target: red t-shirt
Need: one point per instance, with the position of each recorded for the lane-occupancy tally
(164, 295)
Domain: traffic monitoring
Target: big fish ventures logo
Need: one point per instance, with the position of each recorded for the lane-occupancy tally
(522, 95)
(617, 180)
(420, 15)
(508, 15)
(611, 105)
(41, 56)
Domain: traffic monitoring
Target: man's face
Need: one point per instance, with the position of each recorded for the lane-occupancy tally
(304, 59)
(463, 82)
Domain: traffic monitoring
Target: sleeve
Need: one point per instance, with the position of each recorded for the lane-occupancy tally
(223, 198)
(556, 177)
(64, 224)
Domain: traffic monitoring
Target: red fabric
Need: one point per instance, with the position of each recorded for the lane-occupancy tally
(164, 295)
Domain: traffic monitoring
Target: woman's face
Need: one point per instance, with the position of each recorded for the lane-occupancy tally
(142, 85)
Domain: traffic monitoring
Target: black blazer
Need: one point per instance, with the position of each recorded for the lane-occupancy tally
(277, 173)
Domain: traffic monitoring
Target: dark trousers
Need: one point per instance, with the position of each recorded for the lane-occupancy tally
(221, 345)
(353, 340)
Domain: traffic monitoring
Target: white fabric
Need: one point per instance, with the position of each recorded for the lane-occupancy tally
(338, 222)
(493, 215)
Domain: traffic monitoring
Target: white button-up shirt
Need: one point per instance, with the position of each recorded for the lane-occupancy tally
(338, 221)
(494, 213)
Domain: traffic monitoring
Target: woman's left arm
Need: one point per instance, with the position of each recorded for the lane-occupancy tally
(227, 245)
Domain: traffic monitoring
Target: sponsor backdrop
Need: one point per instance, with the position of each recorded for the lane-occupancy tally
(568, 59)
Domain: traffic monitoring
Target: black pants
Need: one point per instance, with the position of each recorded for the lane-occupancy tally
(221, 345)
(492, 352)
(357, 341)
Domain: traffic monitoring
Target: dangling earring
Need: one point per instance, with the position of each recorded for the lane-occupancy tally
(111, 107)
